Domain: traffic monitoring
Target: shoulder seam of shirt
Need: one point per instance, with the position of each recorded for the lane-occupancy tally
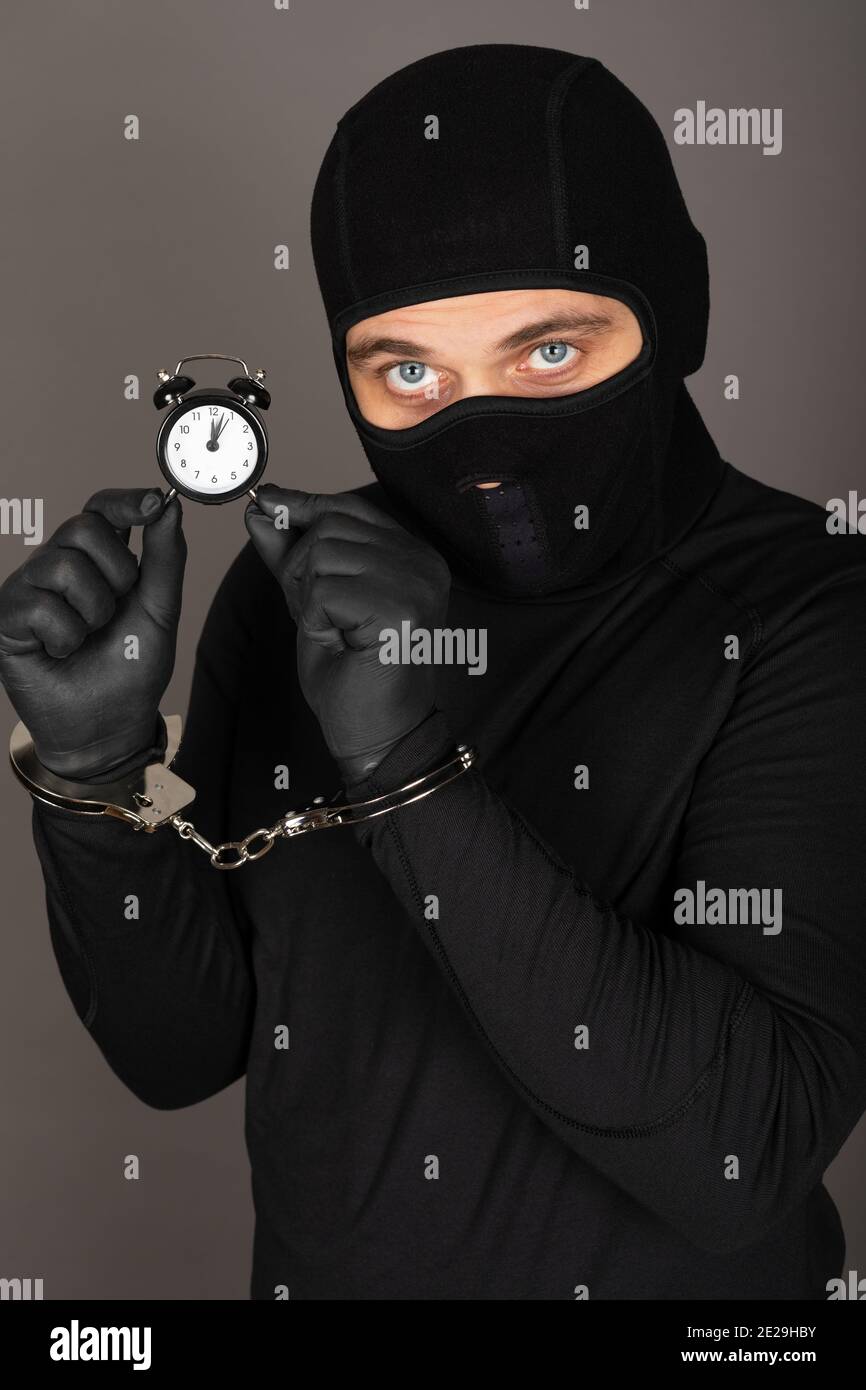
(698, 577)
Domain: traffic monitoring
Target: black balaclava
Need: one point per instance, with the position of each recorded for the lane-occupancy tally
(539, 153)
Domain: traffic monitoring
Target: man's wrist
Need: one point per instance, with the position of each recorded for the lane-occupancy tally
(115, 763)
(356, 770)
(423, 748)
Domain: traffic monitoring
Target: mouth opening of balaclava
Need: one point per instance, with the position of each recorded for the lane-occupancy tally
(541, 161)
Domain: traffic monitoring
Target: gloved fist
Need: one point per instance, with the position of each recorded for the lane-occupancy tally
(348, 572)
(89, 695)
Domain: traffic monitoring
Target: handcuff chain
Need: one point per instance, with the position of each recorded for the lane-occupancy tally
(320, 816)
(240, 848)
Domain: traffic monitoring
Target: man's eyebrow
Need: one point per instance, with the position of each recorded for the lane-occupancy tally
(365, 348)
(560, 323)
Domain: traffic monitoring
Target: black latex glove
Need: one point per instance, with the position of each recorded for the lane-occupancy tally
(348, 571)
(65, 617)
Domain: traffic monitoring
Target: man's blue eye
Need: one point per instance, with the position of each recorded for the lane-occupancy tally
(411, 376)
(550, 355)
(412, 372)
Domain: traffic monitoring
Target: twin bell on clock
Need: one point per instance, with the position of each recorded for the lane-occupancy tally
(212, 445)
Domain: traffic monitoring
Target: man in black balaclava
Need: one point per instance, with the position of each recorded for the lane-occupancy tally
(541, 161)
(587, 1020)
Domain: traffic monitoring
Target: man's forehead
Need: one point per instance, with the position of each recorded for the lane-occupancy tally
(490, 313)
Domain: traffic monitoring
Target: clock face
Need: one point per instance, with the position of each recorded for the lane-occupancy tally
(212, 449)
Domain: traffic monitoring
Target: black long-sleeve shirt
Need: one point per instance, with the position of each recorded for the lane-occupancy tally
(513, 1071)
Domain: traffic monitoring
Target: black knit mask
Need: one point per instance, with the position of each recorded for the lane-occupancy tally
(539, 153)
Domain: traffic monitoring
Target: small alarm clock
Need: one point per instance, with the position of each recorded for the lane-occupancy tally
(212, 445)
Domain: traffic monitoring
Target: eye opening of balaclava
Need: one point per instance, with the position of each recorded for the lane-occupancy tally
(618, 467)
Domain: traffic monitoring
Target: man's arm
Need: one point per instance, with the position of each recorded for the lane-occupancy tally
(725, 1066)
(165, 989)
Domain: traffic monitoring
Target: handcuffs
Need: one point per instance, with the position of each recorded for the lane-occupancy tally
(152, 796)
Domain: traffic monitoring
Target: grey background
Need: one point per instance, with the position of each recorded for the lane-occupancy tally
(121, 256)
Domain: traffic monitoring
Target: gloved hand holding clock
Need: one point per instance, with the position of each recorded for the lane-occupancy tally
(348, 571)
(87, 634)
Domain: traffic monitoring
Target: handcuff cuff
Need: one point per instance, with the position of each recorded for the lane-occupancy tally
(150, 797)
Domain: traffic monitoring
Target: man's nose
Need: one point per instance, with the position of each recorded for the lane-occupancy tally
(477, 381)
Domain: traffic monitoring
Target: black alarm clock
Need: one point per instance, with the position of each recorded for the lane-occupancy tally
(212, 445)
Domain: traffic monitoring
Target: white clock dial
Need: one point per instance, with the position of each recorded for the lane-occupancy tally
(211, 449)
